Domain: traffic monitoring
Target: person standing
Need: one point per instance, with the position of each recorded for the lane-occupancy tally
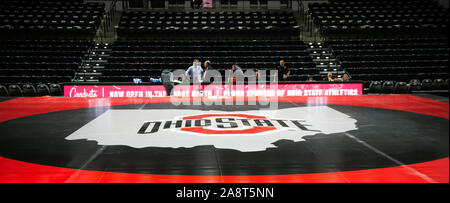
(167, 80)
(195, 72)
(206, 66)
(283, 72)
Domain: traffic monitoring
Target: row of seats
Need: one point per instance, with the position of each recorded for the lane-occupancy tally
(388, 51)
(202, 47)
(393, 45)
(222, 71)
(399, 76)
(216, 64)
(49, 71)
(35, 78)
(147, 78)
(358, 17)
(50, 20)
(46, 61)
(415, 85)
(212, 43)
(38, 65)
(393, 59)
(208, 25)
(396, 70)
(229, 58)
(193, 52)
(394, 63)
(129, 59)
(384, 3)
(31, 90)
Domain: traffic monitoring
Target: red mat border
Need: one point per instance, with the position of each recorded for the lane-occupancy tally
(18, 171)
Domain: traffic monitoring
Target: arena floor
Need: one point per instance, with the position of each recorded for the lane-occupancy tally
(348, 139)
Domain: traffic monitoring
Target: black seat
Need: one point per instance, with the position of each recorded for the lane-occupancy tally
(388, 87)
(401, 88)
(3, 91)
(427, 84)
(438, 84)
(55, 90)
(375, 87)
(42, 90)
(415, 85)
(15, 91)
(29, 91)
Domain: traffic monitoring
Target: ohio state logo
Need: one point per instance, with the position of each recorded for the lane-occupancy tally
(245, 131)
(224, 124)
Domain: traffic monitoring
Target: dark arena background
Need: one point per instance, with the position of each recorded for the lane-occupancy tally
(224, 91)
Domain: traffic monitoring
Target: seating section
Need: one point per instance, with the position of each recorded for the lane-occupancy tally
(40, 61)
(136, 59)
(398, 60)
(208, 25)
(378, 18)
(21, 19)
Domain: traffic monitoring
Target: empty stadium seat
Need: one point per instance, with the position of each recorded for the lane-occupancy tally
(3, 91)
(427, 84)
(42, 90)
(393, 59)
(375, 87)
(41, 61)
(29, 90)
(49, 19)
(388, 87)
(362, 18)
(207, 25)
(55, 90)
(438, 84)
(415, 85)
(15, 91)
(401, 88)
(145, 59)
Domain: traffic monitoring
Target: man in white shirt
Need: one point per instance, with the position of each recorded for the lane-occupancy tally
(195, 72)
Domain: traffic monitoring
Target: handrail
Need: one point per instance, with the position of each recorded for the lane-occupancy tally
(107, 21)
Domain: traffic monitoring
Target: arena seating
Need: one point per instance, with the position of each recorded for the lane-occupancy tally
(20, 19)
(379, 18)
(400, 60)
(208, 25)
(137, 59)
(393, 46)
(40, 61)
